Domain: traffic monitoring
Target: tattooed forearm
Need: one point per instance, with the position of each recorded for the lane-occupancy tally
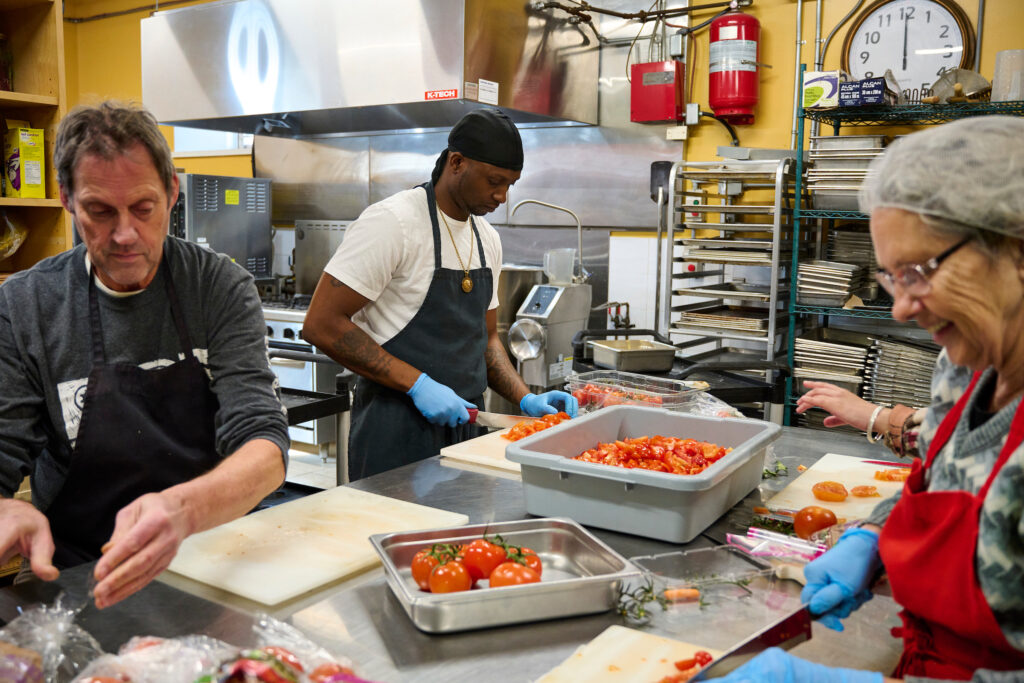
(359, 352)
(501, 376)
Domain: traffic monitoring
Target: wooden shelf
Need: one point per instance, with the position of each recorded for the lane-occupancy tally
(18, 4)
(17, 100)
(31, 203)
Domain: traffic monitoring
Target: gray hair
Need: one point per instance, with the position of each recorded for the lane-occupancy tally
(963, 178)
(109, 129)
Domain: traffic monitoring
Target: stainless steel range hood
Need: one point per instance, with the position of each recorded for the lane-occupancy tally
(300, 68)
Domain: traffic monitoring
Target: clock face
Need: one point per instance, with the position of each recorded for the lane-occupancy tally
(918, 40)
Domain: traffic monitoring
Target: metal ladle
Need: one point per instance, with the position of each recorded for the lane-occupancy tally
(576, 279)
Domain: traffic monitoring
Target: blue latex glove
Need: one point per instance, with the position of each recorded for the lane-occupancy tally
(549, 403)
(438, 403)
(838, 582)
(776, 666)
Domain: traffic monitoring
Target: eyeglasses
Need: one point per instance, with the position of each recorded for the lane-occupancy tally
(913, 279)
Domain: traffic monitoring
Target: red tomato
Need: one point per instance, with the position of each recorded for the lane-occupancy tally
(831, 491)
(481, 557)
(422, 565)
(512, 574)
(450, 577)
(324, 672)
(811, 519)
(284, 655)
(533, 561)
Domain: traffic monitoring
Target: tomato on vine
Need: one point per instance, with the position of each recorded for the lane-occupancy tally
(450, 577)
(512, 574)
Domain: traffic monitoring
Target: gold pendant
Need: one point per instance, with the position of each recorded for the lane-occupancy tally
(467, 285)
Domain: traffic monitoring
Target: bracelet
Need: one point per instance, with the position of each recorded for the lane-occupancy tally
(871, 424)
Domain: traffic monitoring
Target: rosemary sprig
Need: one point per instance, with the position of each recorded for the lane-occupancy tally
(632, 604)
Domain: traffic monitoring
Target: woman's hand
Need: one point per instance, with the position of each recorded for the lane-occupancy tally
(845, 406)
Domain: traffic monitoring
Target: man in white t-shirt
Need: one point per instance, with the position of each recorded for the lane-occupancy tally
(409, 302)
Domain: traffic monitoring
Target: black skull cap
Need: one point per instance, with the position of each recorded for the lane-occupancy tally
(488, 135)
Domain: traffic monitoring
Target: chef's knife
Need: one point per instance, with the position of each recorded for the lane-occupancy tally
(790, 630)
(494, 420)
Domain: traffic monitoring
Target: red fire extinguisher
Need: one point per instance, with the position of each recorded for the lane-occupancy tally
(734, 47)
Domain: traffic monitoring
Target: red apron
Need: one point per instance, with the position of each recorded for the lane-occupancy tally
(928, 547)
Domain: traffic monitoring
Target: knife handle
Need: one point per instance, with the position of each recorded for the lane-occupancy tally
(472, 414)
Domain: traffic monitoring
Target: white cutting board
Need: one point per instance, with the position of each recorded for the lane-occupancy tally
(623, 655)
(487, 450)
(848, 471)
(286, 550)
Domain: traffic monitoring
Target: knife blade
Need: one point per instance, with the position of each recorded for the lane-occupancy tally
(494, 420)
(790, 630)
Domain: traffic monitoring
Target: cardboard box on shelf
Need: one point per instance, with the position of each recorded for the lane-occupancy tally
(821, 88)
(24, 162)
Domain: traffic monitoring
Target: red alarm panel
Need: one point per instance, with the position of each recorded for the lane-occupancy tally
(656, 92)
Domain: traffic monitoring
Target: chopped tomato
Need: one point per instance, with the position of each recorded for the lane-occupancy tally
(524, 429)
(894, 474)
(812, 518)
(657, 453)
(831, 491)
(865, 492)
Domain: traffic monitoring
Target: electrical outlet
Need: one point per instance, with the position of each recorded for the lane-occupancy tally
(675, 133)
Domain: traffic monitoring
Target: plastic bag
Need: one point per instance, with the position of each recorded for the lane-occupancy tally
(12, 234)
(161, 660)
(65, 648)
(703, 403)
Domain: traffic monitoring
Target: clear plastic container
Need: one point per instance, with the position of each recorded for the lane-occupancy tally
(602, 388)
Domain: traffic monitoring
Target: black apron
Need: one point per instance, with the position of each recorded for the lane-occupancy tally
(446, 339)
(141, 431)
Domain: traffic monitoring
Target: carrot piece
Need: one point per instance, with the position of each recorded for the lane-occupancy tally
(682, 594)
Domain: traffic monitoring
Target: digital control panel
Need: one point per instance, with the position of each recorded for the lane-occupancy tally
(540, 302)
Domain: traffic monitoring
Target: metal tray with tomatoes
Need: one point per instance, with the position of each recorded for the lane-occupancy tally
(581, 575)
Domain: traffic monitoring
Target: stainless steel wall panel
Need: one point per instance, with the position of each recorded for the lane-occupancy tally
(315, 179)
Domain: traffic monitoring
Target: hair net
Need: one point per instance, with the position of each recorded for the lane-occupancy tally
(970, 172)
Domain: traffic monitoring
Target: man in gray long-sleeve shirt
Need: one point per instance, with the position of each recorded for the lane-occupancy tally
(137, 391)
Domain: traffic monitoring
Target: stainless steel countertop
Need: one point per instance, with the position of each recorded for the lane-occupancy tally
(361, 619)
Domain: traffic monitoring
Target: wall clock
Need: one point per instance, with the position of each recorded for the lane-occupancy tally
(918, 40)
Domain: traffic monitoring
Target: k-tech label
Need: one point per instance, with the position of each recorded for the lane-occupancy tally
(441, 94)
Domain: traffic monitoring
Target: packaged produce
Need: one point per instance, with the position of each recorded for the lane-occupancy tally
(63, 647)
(24, 163)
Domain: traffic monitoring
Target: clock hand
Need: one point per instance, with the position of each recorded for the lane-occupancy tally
(906, 23)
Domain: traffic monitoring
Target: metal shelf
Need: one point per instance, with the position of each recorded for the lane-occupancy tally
(847, 312)
(912, 114)
(831, 213)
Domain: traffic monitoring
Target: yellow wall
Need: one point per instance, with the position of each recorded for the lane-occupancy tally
(103, 62)
(1003, 29)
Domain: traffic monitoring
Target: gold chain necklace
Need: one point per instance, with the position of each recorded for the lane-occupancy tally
(467, 284)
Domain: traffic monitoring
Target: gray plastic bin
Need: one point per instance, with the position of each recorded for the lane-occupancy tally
(669, 507)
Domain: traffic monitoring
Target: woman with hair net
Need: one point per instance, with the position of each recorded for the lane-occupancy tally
(947, 223)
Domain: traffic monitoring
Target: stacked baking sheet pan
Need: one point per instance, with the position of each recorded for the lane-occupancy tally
(834, 356)
(738, 318)
(854, 247)
(828, 283)
(898, 372)
(838, 164)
